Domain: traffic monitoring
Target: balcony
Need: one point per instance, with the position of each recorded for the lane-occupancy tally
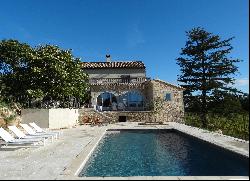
(117, 80)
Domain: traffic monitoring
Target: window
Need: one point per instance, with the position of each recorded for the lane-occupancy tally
(105, 99)
(132, 99)
(168, 97)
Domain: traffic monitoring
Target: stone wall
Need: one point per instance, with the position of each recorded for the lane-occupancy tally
(131, 116)
(171, 110)
(113, 116)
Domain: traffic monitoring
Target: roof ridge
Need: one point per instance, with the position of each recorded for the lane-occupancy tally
(114, 64)
(113, 61)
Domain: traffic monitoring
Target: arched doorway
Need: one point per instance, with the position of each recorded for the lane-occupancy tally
(133, 100)
(105, 100)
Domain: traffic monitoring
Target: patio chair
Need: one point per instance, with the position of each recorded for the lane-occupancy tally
(10, 140)
(31, 132)
(40, 130)
(121, 106)
(21, 134)
(114, 106)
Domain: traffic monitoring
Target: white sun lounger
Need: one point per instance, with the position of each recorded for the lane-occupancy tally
(10, 140)
(30, 131)
(21, 134)
(40, 130)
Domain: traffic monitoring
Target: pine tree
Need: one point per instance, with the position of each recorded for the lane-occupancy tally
(205, 68)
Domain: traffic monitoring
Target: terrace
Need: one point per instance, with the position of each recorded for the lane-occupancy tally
(63, 158)
(124, 79)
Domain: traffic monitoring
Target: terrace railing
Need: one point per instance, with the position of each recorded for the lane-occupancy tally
(117, 80)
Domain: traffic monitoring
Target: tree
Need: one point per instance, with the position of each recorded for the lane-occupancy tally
(14, 58)
(41, 73)
(244, 99)
(205, 68)
(226, 103)
(57, 74)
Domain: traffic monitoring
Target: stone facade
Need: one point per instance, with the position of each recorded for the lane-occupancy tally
(172, 110)
(121, 79)
(116, 89)
(113, 116)
(131, 116)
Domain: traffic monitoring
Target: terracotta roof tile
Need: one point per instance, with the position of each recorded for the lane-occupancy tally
(127, 64)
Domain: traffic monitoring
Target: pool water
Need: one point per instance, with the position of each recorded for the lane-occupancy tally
(161, 153)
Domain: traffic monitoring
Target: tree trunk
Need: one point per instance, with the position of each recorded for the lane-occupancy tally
(203, 119)
(203, 109)
(203, 96)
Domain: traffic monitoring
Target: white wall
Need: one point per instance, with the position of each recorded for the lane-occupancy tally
(39, 116)
(51, 118)
(62, 118)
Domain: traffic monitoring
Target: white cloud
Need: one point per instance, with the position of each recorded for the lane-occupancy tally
(242, 82)
(135, 36)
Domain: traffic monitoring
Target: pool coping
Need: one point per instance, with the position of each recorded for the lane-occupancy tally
(223, 141)
(78, 163)
(73, 170)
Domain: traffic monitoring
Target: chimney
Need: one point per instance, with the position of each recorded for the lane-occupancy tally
(108, 58)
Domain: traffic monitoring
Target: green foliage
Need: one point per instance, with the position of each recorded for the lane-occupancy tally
(43, 72)
(10, 118)
(244, 100)
(14, 57)
(226, 103)
(235, 124)
(2, 103)
(205, 69)
(57, 73)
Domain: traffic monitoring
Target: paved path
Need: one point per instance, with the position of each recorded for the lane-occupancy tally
(52, 160)
(45, 162)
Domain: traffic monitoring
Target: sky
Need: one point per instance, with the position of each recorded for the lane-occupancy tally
(152, 31)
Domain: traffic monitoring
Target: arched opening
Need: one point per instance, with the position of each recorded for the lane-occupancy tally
(105, 100)
(133, 100)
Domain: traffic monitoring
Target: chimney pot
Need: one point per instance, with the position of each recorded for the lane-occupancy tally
(108, 58)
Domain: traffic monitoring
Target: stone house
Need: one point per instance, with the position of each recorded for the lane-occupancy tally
(120, 89)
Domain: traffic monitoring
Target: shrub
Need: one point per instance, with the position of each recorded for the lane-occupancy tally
(235, 124)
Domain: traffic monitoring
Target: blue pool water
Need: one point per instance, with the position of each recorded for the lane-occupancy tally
(161, 153)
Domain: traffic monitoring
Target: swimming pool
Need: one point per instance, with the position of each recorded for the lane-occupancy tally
(161, 153)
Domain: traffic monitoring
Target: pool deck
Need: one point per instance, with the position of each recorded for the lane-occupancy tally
(64, 158)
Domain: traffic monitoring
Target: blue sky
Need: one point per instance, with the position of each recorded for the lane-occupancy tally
(152, 31)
